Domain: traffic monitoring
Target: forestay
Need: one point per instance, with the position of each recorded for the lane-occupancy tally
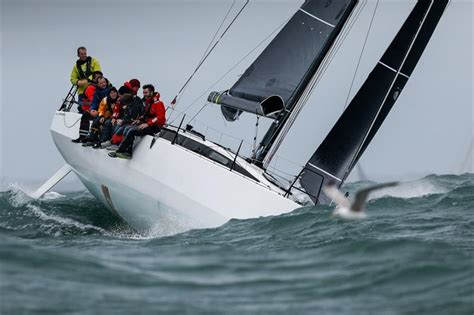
(352, 133)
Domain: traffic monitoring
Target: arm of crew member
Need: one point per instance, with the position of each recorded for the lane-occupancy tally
(103, 107)
(94, 105)
(151, 122)
(74, 75)
(75, 78)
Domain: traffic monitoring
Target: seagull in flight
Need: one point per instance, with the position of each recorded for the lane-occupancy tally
(347, 210)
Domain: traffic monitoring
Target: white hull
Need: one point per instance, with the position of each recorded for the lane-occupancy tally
(167, 187)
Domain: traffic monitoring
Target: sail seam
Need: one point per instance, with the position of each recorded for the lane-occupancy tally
(393, 83)
(390, 68)
(315, 17)
(325, 172)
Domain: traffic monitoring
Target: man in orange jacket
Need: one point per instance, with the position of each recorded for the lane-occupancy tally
(149, 124)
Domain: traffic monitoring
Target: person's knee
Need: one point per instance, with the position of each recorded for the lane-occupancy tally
(133, 132)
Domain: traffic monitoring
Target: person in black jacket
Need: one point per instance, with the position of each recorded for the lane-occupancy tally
(134, 108)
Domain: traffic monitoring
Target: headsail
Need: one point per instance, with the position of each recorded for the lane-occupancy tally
(350, 136)
(274, 82)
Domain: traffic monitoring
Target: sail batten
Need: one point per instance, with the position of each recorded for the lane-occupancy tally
(315, 17)
(352, 133)
(287, 64)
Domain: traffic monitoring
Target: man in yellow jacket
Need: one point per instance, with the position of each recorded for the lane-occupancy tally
(81, 74)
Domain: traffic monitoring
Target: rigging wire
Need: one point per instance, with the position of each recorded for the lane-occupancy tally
(206, 55)
(218, 30)
(420, 26)
(351, 165)
(312, 84)
(361, 54)
(183, 89)
(199, 111)
(233, 67)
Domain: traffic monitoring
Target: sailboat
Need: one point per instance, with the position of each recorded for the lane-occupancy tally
(179, 177)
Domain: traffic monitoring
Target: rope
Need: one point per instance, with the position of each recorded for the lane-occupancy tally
(70, 126)
(361, 54)
(206, 55)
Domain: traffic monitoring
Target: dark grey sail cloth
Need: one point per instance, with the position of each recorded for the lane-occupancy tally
(352, 133)
(287, 64)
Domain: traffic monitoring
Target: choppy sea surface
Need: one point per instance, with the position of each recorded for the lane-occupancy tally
(414, 254)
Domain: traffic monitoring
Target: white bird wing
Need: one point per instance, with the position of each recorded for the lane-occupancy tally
(361, 195)
(334, 193)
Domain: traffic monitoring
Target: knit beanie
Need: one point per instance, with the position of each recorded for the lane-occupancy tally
(135, 83)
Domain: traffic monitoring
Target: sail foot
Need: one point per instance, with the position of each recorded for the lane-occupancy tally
(233, 106)
(312, 179)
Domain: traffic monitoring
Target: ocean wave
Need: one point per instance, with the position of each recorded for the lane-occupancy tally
(56, 215)
(78, 213)
(429, 185)
(411, 255)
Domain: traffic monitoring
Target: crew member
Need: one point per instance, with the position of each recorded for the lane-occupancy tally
(81, 74)
(93, 92)
(105, 121)
(101, 91)
(150, 123)
(133, 107)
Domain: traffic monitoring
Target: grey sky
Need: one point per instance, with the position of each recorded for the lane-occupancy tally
(160, 42)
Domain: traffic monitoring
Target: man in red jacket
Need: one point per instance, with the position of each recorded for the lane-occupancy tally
(84, 108)
(149, 124)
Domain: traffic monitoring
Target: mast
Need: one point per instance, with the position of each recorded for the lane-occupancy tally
(346, 142)
(276, 80)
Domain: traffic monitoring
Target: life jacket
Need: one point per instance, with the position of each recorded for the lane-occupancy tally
(118, 111)
(155, 113)
(82, 74)
(106, 107)
(88, 97)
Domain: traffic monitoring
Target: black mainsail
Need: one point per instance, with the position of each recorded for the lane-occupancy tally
(352, 133)
(272, 85)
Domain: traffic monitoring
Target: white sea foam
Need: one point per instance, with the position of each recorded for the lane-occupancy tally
(411, 189)
(36, 211)
(19, 195)
(52, 195)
